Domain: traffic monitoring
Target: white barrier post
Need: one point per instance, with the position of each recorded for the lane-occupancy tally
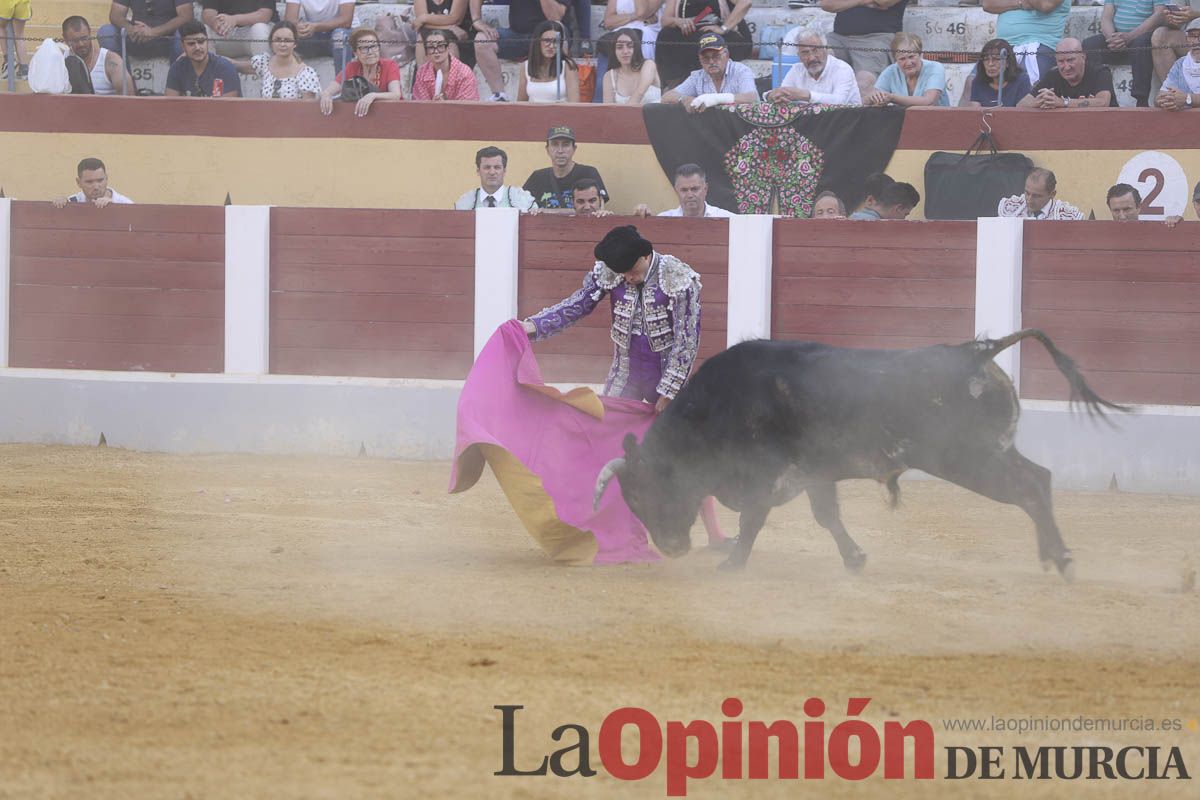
(5, 275)
(750, 255)
(247, 289)
(999, 250)
(495, 271)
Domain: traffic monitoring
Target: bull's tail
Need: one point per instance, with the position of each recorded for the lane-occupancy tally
(1080, 391)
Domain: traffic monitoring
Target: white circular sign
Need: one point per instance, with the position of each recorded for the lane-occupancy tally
(1160, 180)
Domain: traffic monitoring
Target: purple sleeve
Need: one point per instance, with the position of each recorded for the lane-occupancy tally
(685, 310)
(557, 318)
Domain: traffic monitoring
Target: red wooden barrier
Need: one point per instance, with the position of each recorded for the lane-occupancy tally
(556, 252)
(1123, 300)
(372, 293)
(121, 288)
(873, 284)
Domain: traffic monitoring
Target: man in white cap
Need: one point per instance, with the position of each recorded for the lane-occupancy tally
(719, 81)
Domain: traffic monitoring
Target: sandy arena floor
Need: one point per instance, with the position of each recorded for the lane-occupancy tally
(236, 626)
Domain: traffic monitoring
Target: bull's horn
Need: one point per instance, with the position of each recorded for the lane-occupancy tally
(606, 474)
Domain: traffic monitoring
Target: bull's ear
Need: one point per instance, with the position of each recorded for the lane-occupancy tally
(629, 443)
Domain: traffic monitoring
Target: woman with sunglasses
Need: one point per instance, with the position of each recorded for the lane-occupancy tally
(632, 79)
(550, 76)
(381, 75)
(442, 76)
(284, 76)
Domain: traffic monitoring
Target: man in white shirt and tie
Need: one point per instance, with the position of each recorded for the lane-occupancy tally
(491, 163)
(1038, 201)
(819, 77)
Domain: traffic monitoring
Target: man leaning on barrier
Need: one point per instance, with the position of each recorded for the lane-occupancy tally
(92, 179)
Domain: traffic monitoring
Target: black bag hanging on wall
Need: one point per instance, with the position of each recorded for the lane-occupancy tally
(972, 184)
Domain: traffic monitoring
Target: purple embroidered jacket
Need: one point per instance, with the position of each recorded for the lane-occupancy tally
(655, 328)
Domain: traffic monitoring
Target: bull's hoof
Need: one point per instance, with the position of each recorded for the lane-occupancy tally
(1066, 567)
(731, 565)
(721, 545)
(855, 562)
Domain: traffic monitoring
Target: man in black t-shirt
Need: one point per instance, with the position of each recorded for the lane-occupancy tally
(238, 28)
(552, 187)
(862, 35)
(523, 17)
(1071, 84)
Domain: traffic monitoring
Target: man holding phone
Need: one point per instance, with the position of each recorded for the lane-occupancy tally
(1126, 29)
(1170, 38)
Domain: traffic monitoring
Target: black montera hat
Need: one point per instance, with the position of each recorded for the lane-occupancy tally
(622, 247)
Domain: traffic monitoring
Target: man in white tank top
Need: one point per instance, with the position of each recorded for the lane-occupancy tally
(105, 67)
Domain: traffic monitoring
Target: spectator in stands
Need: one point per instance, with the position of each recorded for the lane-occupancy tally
(997, 79)
(105, 69)
(550, 74)
(238, 28)
(92, 179)
(1173, 221)
(16, 12)
(862, 35)
(1170, 40)
(1124, 202)
(443, 77)
(1039, 200)
(284, 76)
(152, 33)
(1181, 90)
(1126, 28)
(895, 201)
(322, 28)
(452, 17)
(487, 45)
(719, 81)
(685, 26)
(1072, 80)
(375, 78)
(551, 186)
(873, 187)
(691, 187)
(200, 73)
(643, 16)
(1034, 27)
(828, 206)
(634, 78)
(491, 164)
(587, 201)
(818, 77)
(911, 81)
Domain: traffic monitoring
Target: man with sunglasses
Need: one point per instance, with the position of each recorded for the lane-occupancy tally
(200, 73)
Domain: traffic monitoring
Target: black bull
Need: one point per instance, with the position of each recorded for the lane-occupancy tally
(766, 420)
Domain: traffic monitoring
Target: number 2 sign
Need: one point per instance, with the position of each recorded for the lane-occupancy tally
(1161, 182)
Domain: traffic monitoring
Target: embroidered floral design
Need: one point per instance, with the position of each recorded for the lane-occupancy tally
(774, 161)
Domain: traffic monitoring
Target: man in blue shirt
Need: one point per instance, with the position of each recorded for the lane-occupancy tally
(201, 74)
(1126, 27)
(719, 81)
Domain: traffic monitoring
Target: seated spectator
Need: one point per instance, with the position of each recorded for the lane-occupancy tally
(998, 81)
(895, 201)
(92, 180)
(587, 200)
(911, 81)
(152, 33)
(818, 77)
(634, 78)
(1124, 202)
(873, 187)
(691, 187)
(686, 22)
(719, 81)
(452, 17)
(550, 75)
(644, 16)
(1073, 79)
(1039, 200)
(238, 28)
(1034, 27)
(284, 76)
(105, 69)
(375, 78)
(491, 164)
(1181, 90)
(322, 28)
(443, 77)
(512, 43)
(1170, 40)
(551, 186)
(862, 35)
(1126, 28)
(200, 73)
(828, 206)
